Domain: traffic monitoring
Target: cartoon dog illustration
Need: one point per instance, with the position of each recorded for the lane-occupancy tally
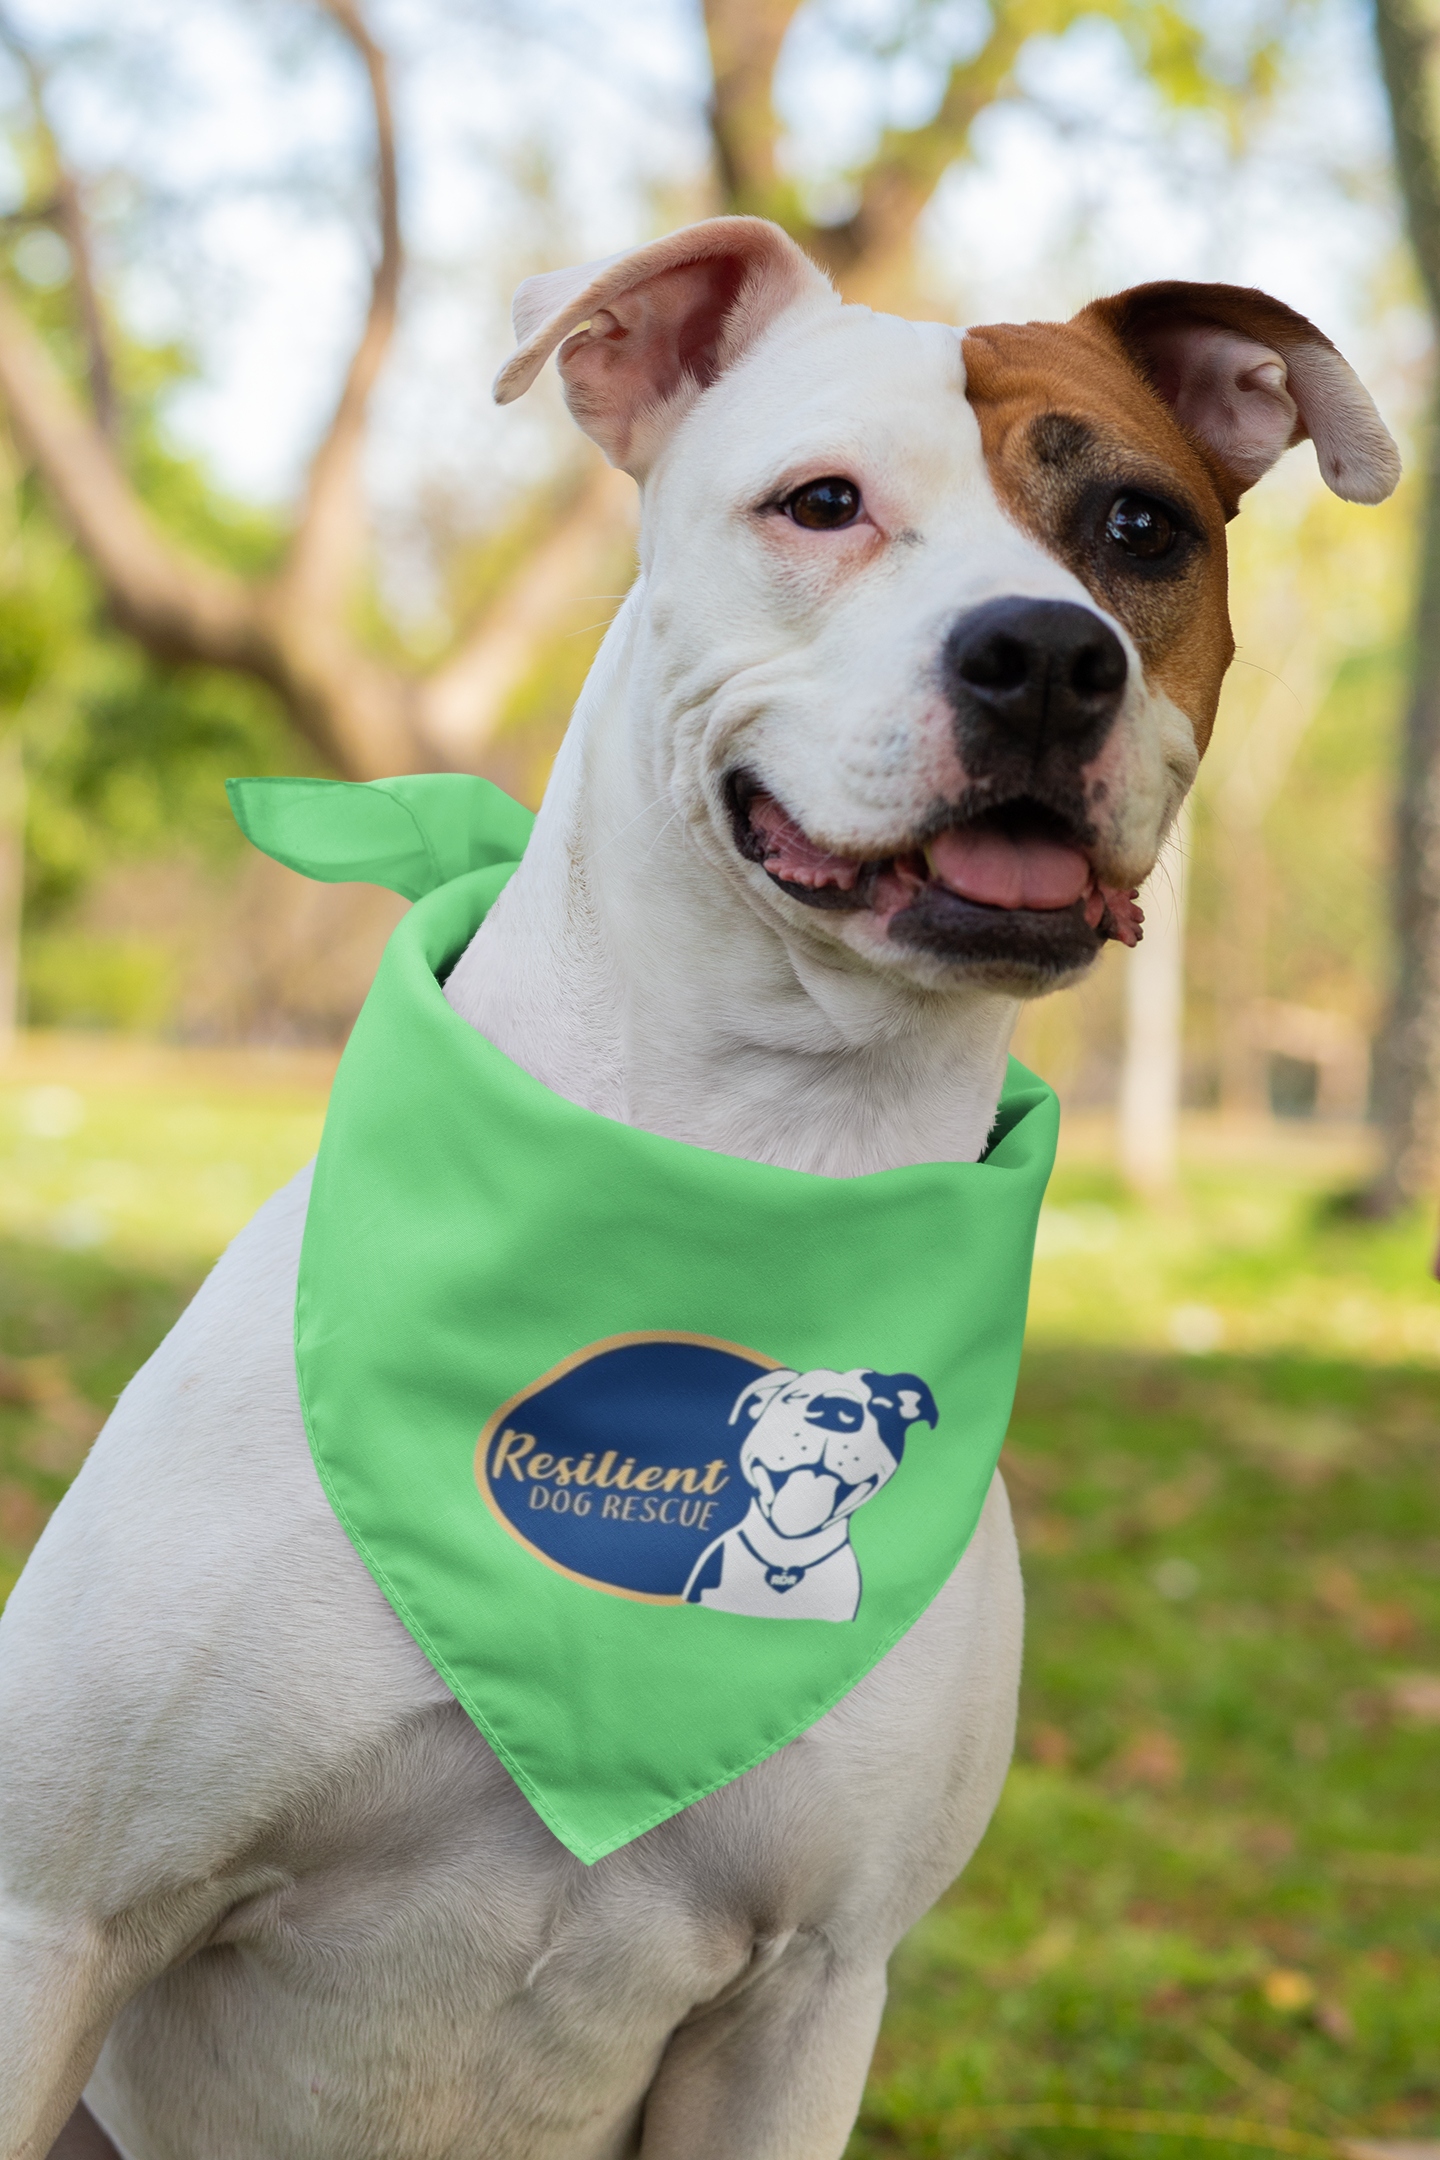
(820, 1445)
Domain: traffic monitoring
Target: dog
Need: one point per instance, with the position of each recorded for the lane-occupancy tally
(820, 1445)
(923, 650)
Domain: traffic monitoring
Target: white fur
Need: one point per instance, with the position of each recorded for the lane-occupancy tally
(246, 1829)
(635, 962)
(237, 1798)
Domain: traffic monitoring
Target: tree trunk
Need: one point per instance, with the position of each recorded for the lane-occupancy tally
(1246, 776)
(1154, 1025)
(1244, 1066)
(1407, 1052)
(12, 882)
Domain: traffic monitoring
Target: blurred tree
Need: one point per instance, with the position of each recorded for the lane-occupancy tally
(868, 251)
(293, 625)
(1407, 1060)
(108, 755)
(23, 642)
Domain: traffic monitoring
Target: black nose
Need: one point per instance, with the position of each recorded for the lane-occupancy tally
(1044, 671)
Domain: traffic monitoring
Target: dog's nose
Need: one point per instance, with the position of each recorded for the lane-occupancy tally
(1042, 671)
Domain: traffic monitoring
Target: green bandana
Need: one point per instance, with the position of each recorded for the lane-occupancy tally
(654, 1451)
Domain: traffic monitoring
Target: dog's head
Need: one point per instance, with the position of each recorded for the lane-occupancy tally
(932, 624)
(822, 1443)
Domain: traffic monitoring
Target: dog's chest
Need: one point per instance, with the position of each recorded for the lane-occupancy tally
(426, 1968)
(433, 1951)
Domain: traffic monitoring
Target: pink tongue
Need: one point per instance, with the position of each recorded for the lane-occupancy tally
(1004, 873)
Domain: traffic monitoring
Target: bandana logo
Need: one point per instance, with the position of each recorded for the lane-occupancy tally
(676, 1469)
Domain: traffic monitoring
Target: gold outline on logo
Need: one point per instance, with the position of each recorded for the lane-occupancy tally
(558, 1372)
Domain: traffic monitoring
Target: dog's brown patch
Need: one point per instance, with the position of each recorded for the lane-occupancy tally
(1069, 422)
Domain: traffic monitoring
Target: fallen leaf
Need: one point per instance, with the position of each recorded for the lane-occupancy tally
(1387, 1626)
(1165, 1507)
(22, 1517)
(1150, 1758)
(1416, 1695)
(1288, 1990)
(1391, 2148)
(1335, 2021)
(1050, 1948)
(1270, 1841)
(1044, 1533)
(1391, 1871)
(1169, 1997)
(1302, 1447)
(1338, 1589)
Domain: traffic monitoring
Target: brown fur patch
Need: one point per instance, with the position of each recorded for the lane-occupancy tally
(1068, 422)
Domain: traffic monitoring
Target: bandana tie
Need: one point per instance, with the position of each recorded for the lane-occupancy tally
(654, 1451)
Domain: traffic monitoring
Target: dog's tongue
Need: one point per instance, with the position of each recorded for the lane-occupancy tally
(1000, 872)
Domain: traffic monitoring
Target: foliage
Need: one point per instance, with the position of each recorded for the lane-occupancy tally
(133, 765)
(971, 59)
(125, 755)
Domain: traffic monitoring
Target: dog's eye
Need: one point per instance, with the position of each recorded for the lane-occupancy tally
(823, 505)
(837, 1413)
(1142, 527)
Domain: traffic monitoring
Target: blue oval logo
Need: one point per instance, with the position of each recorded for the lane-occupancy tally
(680, 1469)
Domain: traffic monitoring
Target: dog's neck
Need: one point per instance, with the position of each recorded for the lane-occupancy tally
(624, 969)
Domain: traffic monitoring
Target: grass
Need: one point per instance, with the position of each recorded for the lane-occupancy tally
(1210, 1901)
(1212, 1888)
(124, 1171)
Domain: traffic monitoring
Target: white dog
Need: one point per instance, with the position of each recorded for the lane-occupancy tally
(925, 644)
(821, 1444)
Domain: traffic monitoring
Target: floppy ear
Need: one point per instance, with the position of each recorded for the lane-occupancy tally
(899, 1400)
(1249, 377)
(645, 331)
(757, 1397)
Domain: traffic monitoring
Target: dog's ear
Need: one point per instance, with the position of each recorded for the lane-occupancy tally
(757, 1397)
(1249, 377)
(899, 1400)
(645, 331)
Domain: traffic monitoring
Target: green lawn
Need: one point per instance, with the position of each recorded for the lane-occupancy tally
(1213, 1885)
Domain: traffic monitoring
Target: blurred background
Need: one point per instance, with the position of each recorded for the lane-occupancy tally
(258, 514)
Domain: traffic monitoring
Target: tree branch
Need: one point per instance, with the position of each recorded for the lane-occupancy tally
(463, 702)
(70, 218)
(329, 537)
(356, 712)
(179, 608)
(1407, 51)
(290, 633)
(745, 39)
(67, 215)
(1407, 1048)
(909, 164)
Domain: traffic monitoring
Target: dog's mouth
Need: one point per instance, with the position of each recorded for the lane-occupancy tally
(801, 1502)
(1012, 885)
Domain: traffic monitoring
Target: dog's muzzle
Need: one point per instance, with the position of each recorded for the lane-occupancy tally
(1005, 882)
(1035, 686)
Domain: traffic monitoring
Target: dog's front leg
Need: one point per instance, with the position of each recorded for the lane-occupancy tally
(56, 2012)
(777, 2071)
(65, 1975)
(62, 1983)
